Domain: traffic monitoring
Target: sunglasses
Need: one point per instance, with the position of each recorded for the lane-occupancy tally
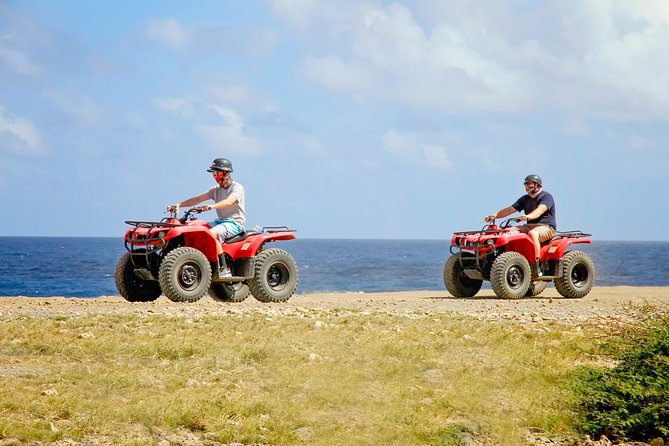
(220, 173)
(527, 183)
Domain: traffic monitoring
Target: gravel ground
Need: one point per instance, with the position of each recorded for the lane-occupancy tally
(603, 303)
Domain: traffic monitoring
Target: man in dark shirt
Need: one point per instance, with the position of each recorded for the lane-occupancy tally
(539, 208)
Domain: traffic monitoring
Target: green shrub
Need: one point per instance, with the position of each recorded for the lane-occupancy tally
(631, 400)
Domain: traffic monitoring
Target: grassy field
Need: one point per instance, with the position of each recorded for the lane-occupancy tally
(317, 378)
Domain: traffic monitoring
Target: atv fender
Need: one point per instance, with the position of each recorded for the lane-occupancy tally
(203, 241)
(252, 245)
(556, 249)
(523, 245)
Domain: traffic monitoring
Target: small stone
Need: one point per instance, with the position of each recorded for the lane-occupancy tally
(304, 433)
(50, 392)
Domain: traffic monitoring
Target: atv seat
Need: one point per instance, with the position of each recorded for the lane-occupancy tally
(241, 236)
(565, 234)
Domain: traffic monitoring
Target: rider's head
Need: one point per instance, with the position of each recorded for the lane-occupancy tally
(221, 169)
(532, 184)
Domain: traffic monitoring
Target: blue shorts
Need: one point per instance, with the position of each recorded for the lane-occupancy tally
(225, 228)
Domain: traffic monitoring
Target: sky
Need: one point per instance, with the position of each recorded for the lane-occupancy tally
(343, 119)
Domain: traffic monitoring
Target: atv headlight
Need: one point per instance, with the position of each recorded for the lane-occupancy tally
(161, 234)
(489, 242)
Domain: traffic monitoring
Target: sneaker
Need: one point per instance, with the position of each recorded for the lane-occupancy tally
(224, 272)
(538, 272)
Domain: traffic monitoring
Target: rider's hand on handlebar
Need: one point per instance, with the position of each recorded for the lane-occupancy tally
(522, 218)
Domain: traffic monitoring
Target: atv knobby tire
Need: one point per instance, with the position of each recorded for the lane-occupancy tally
(536, 288)
(510, 275)
(578, 275)
(229, 292)
(131, 287)
(457, 282)
(275, 276)
(185, 275)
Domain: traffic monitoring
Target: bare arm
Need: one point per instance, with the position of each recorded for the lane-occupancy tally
(189, 202)
(538, 212)
(501, 213)
(232, 199)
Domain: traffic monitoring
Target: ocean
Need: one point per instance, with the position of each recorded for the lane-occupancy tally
(84, 267)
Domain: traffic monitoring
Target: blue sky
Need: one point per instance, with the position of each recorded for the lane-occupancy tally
(343, 119)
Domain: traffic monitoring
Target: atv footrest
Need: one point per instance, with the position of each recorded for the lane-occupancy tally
(230, 279)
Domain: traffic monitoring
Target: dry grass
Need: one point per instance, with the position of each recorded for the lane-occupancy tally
(318, 378)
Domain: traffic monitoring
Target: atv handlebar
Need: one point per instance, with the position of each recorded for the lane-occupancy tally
(187, 215)
(504, 224)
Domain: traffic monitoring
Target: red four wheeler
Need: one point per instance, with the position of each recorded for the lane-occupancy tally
(505, 256)
(178, 257)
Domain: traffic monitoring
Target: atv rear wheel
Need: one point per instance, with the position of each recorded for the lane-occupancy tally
(131, 287)
(275, 277)
(510, 275)
(185, 275)
(457, 282)
(578, 275)
(229, 292)
(536, 288)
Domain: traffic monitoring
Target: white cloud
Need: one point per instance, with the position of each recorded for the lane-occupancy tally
(230, 93)
(575, 127)
(20, 135)
(598, 59)
(298, 12)
(230, 134)
(410, 147)
(333, 73)
(80, 108)
(19, 62)
(168, 32)
(391, 56)
(626, 40)
(174, 105)
(436, 156)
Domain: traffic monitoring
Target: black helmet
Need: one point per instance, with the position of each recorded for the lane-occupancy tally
(220, 165)
(534, 178)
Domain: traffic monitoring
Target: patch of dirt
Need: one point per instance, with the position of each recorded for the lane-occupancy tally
(604, 304)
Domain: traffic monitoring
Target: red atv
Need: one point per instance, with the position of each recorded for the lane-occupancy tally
(505, 256)
(177, 257)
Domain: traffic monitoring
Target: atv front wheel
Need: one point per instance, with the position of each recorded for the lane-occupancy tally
(510, 275)
(457, 282)
(275, 277)
(229, 292)
(185, 275)
(578, 275)
(131, 287)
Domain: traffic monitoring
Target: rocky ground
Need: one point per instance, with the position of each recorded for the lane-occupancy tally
(602, 304)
